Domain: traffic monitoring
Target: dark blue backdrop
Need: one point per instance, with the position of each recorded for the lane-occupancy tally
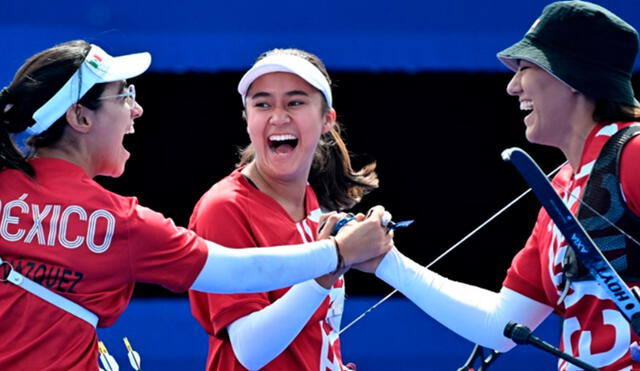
(210, 36)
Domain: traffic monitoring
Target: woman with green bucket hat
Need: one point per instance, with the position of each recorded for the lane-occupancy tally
(573, 79)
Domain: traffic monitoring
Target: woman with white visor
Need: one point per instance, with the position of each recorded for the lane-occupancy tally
(296, 165)
(71, 251)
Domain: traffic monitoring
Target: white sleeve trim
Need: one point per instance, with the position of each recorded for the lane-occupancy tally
(263, 269)
(472, 312)
(261, 336)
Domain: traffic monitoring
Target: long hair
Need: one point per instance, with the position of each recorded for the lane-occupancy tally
(337, 185)
(37, 80)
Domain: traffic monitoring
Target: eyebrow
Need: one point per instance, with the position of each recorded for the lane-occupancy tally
(123, 85)
(264, 94)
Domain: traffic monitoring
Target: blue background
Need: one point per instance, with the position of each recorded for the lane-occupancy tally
(395, 336)
(212, 36)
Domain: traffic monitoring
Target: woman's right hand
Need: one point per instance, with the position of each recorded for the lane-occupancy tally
(362, 240)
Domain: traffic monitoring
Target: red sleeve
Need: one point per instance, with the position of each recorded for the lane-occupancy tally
(524, 275)
(630, 174)
(222, 217)
(162, 253)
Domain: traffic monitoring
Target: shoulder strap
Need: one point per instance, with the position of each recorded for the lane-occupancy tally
(606, 204)
(49, 296)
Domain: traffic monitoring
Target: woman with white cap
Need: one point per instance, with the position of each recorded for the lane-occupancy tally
(573, 76)
(71, 251)
(296, 164)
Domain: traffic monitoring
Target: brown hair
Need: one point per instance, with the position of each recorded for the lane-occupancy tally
(37, 80)
(608, 111)
(337, 185)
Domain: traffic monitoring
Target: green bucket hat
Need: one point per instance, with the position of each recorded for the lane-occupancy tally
(584, 45)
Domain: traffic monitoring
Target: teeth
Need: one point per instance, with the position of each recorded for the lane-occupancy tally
(281, 137)
(526, 105)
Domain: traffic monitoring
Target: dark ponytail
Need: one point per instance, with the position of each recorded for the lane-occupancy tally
(9, 155)
(337, 185)
(39, 79)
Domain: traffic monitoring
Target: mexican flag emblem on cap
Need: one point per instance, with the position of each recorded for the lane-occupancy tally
(97, 61)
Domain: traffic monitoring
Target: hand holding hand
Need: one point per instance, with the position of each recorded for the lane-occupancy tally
(365, 239)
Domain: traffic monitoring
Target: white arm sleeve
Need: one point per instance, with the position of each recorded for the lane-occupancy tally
(258, 269)
(472, 312)
(261, 336)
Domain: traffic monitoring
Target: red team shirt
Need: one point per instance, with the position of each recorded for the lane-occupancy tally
(67, 233)
(236, 214)
(593, 329)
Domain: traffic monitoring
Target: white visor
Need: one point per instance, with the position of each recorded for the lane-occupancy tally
(98, 67)
(286, 63)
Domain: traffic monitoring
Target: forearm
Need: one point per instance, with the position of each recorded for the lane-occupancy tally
(472, 312)
(264, 269)
(261, 336)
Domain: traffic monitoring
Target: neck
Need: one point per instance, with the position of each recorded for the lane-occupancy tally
(63, 153)
(581, 124)
(573, 150)
(289, 194)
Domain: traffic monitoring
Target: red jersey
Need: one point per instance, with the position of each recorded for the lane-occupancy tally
(593, 329)
(67, 233)
(236, 214)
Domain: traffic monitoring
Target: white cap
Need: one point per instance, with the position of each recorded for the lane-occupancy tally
(98, 67)
(294, 64)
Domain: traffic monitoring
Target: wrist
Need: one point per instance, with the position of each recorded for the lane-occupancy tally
(340, 259)
(388, 263)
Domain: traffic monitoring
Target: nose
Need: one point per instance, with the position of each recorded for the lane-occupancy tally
(136, 110)
(279, 116)
(513, 87)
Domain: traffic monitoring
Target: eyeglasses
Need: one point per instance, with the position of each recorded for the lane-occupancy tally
(130, 95)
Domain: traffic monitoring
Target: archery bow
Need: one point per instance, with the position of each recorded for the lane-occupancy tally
(630, 306)
(592, 258)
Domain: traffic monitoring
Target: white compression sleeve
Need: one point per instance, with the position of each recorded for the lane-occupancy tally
(472, 312)
(261, 336)
(263, 269)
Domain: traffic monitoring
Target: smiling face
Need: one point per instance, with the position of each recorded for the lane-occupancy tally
(551, 103)
(285, 119)
(110, 123)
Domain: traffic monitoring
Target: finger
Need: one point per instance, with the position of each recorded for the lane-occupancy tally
(386, 218)
(329, 225)
(323, 220)
(323, 217)
(376, 212)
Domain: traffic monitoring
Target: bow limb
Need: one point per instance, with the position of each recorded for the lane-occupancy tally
(606, 220)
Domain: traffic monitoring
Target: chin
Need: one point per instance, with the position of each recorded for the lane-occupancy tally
(118, 174)
(532, 137)
(115, 172)
(540, 141)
